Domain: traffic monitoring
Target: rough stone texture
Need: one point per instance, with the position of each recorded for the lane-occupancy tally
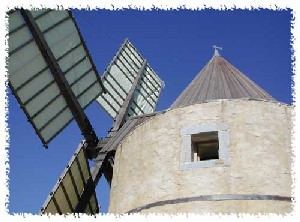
(147, 162)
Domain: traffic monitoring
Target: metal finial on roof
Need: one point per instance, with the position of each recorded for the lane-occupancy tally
(216, 50)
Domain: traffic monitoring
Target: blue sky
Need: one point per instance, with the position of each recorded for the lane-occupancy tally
(177, 44)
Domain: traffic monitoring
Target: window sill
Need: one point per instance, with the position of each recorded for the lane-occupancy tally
(203, 164)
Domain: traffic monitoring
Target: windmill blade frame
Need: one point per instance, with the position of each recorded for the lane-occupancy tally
(51, 72)
(74, 191)
(119, 78)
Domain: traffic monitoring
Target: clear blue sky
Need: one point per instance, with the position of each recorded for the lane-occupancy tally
(177, 44)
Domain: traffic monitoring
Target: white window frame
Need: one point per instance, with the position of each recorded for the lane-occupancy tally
(186, 148)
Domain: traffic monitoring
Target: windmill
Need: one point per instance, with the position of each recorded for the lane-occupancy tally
(54, 79)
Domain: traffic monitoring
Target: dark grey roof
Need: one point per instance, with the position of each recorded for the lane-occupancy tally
(219, 80)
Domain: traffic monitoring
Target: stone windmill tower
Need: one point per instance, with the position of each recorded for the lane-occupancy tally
(224, 146)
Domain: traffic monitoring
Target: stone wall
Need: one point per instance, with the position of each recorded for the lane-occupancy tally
(147, 162)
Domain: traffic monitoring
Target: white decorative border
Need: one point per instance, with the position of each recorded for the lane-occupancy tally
(142, 5)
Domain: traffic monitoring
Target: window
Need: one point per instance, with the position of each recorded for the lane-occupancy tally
(204, 145)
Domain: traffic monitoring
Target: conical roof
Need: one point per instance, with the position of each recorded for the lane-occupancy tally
(220, 80)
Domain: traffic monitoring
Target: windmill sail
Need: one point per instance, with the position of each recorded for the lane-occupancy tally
(119, 78)
(50, 70)
(75, 190)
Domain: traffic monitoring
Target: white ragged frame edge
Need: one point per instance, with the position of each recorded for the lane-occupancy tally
(142, 5)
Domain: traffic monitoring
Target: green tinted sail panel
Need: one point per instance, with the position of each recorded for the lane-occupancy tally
(67, 193)
(31, 80)
(118, 80)
(146, 94)
(63, 38)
